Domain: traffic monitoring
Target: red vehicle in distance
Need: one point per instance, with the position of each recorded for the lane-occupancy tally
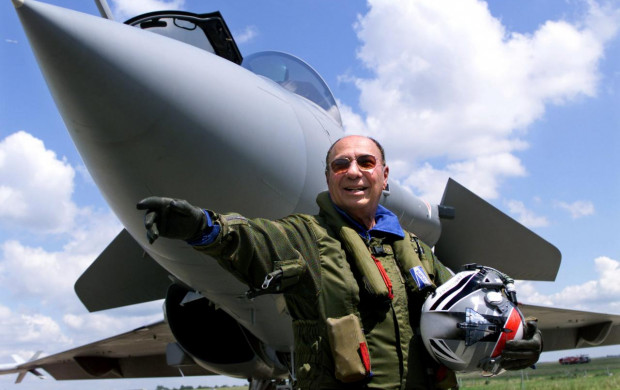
(581, 359)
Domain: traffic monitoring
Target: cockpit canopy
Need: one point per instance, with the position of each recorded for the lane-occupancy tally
(294, 75)
(210, 32)
(205, 31)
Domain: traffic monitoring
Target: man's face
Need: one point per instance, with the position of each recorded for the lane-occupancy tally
(357, 190)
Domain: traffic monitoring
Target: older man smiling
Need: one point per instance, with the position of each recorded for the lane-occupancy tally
(345, 274)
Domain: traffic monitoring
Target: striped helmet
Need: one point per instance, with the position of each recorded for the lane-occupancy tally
(467, 321)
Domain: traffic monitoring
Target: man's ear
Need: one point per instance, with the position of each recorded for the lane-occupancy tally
(386, 172)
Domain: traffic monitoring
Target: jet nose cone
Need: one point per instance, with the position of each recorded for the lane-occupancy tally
(152, 115)
(93, 69)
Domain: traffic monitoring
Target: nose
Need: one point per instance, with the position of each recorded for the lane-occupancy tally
(354, 170)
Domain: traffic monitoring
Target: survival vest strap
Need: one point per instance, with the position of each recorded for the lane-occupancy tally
(375, 279)
(374, 276)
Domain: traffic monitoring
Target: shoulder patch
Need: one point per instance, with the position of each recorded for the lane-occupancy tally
(420, 277)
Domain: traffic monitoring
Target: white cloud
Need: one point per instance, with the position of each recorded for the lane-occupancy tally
(601, 295)
(125, 9)
(36, 279)
(577, 209)
(35, 195)
(246, 35)
(35, 186)
(353, 122)
(23, 333)
(525, 216)
(35, 272)
(18, 330)
(38, 307)
(453, 86)
(84, 174)
(429, 181)
(527, 293)
(49, 276)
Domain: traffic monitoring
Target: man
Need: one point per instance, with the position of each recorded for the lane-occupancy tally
(345, 274)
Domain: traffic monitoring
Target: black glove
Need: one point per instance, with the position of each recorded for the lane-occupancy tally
(520, 354)
(171, 218)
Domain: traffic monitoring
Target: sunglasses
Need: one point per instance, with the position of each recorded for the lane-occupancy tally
(366, 162)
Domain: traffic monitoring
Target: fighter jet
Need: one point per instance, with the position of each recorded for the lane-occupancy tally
(165, 104)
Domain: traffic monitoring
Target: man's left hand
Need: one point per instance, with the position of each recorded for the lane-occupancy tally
(520, 354)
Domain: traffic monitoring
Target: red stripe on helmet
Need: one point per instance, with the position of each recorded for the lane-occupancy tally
(513, 323)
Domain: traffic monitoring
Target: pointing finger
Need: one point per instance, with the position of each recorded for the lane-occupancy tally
(152, 232)
(150, 219)
(153, 202)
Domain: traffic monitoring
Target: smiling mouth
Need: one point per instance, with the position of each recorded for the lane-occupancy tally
(355, 189)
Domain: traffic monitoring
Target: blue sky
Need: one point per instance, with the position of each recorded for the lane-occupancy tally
(515, 100)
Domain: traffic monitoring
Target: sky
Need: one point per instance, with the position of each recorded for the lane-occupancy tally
(516, 100)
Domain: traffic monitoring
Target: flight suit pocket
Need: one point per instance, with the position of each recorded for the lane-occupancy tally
(349, 348)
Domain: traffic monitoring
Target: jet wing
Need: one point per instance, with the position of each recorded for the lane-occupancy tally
(568, 329)
(480, 233)
(134, 275)
(140, 353)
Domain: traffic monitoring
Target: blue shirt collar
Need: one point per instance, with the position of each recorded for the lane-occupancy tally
(386, 223)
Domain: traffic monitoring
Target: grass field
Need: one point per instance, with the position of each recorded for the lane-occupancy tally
(600, 373)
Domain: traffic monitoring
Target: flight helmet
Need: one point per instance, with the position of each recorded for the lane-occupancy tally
(467, 321)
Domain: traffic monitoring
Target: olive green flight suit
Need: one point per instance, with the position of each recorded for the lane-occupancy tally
(320, 281)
